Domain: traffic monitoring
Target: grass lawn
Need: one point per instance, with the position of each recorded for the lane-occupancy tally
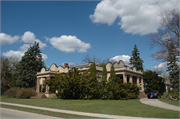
(49, 113)
(176, 103)
(115, 107)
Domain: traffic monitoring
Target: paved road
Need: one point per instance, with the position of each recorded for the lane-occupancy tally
(78, 113)
(157, 103)
(15, 114)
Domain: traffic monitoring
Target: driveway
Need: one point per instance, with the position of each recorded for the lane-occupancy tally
(157, 103)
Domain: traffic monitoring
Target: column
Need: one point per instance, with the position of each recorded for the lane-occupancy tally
(142, 85)
(131, 79)
(47, 87)
(138, 81)
(37, 84)
(124, 78)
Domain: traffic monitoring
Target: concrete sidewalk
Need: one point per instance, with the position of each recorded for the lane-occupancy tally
(157, 103)
(6, 113)
(77, 112)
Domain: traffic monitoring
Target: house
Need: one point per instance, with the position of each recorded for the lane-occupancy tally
(128, 74)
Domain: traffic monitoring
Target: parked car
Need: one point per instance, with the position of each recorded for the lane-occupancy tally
(154, 94)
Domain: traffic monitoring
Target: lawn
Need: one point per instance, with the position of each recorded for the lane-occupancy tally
(176, 103)
(115, 107)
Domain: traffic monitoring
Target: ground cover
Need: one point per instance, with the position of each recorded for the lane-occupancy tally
(49, 113)
(115, 107)
(176, 103)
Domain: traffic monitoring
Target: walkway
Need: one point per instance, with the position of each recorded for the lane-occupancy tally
(77, 112)
(157, 103)
(16, 114)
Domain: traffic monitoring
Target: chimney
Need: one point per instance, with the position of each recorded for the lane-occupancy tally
(65, 65)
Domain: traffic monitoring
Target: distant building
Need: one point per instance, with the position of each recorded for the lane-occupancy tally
(124, 72)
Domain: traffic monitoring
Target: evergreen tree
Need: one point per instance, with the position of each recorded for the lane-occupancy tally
(111, 86)
(30, 64)
(135, 60)
(173, 67)
(103, 90)
(92, 83)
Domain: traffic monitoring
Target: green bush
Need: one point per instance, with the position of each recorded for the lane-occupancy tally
(20, 92)
(173, 94)
(11, 92)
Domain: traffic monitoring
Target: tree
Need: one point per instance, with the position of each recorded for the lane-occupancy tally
(173, 68)
(167, 39)
(135, 60)
(89, 59)
(30, 64)
(153, 82)
(7, 69)
(103, 83)
(168, 33)
(92, 83)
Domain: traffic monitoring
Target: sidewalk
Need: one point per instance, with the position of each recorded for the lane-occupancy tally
(77, 112)
(157, 103)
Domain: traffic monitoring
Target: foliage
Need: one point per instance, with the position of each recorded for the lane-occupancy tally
(167, 39)
(29, 65)
(173, 68)
(84, 85)
(153, 82)
(93, 91)
(174, 95)
(12, 92)
(103, 83)
(20, 92)
(25, 93)
(7, 67)
(135, 60)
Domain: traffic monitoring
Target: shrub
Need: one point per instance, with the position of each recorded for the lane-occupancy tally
(11, 92)
(20, 92)
(25, 93)
(173, 94)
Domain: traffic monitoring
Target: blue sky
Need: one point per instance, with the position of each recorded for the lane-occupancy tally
(69, 30)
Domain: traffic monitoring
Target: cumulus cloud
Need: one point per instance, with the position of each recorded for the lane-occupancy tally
(160, 67)
(69, 44)
(8, 39)
(70, 64)
(124, 58)
(29, 37)
(136, 16)
(20, 52)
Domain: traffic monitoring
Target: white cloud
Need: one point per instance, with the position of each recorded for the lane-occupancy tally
(160, 67)
(70, 64)
(29, 37)
(124, 58)
(136, 16)
(20, 52)
(7, 39)
(44, 56)
(69, 44)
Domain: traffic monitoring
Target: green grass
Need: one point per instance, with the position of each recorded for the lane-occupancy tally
(49, 113)
(115, 107)
(176, 103)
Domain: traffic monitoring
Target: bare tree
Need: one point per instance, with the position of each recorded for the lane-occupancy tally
(167, 34)
(88, 59)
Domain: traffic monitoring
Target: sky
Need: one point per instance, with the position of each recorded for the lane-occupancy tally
(69, 30)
